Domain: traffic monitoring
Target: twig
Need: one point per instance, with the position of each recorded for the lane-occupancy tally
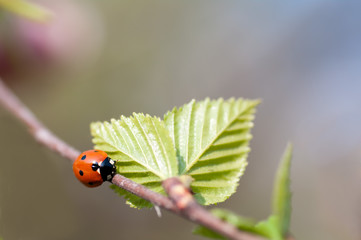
(192, 212)
(45, 137)
(49, 140)
(36, 128)
(143, 192)
(185, 202)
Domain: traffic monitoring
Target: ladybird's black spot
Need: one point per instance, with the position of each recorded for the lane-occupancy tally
(90, 183)
(83, 157)
(81, 173)
(96, 151)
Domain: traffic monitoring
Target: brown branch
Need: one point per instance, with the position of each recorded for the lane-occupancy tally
(192, 212)
(143, 192)
(185, 202)
(45, 137)
(36, 128)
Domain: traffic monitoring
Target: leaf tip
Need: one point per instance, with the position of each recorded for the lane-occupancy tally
(282, 194)
(287, 155)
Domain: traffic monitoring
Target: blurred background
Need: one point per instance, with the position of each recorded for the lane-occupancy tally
(96, 60)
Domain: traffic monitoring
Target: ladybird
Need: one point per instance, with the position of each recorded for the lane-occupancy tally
(93, 167)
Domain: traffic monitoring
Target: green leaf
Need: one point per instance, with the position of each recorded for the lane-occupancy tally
(269, 228)
(26, 9)
(242, 223)
(143, 149)
(212, 138)
(206, 232)
(282, 192)
(277, 225)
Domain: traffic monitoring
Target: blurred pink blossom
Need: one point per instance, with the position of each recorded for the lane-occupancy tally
(73, 36)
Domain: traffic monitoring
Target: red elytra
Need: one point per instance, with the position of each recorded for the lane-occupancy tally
(93, 167)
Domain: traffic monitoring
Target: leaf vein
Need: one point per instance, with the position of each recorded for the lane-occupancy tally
(220, 132)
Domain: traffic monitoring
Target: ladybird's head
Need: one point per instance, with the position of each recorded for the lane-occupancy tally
(107, 169)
